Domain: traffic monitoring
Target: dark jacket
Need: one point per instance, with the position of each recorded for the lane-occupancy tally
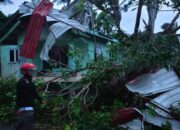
(26, 92)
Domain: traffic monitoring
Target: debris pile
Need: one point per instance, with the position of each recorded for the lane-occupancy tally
(163, 86)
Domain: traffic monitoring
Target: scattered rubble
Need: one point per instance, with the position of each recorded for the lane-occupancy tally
(158, 120)
(167, 84)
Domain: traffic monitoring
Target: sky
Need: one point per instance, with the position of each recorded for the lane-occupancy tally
(128, 18)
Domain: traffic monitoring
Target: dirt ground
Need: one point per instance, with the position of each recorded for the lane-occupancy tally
(6, 128)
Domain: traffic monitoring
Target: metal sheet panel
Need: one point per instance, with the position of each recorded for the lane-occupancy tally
(58, 29)
(166, 100)
(158, 120)
(133, 125)
(63, 24)
(30, 43)
(153, 83)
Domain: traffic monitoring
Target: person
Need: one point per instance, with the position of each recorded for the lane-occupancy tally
(25, 98)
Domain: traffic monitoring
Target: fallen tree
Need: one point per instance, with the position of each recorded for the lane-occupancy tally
(89, 104)
(84, 104)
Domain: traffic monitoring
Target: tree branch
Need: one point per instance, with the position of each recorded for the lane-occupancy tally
(113, 10)
(172, 23)
(175, 30)
(146, 25)
(99, 5)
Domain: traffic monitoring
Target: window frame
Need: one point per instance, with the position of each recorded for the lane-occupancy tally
(15, 55)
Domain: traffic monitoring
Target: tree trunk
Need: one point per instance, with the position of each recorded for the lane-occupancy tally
(152, 9)
(138, 17)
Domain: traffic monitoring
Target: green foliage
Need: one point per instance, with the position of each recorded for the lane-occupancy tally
(118, 105)
(67, 127)
(76, 119)
(105, 24)
(126, 57)
(4, 28)
(70, 112)
(80, 6)
(39, 83)
(127, 4)
(175, 111)
(77, 55)
(48, 112)
(3, 19)
(166, 126)
(132, 53)
(162, 51)
(151, 112)
(7, 100)
(94, 120)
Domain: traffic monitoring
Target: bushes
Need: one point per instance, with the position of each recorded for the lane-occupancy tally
(7, 100)
(54, 112)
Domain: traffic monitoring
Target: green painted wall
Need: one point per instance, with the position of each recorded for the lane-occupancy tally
(74, 40)
(9, 67)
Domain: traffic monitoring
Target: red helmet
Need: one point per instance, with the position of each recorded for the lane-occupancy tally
(28, 66)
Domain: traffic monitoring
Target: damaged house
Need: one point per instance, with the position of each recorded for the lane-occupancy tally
(49, 36)
(56, 40)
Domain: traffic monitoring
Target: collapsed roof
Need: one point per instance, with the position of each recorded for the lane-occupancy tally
(167, 84)
(64, 20)
(60, 21)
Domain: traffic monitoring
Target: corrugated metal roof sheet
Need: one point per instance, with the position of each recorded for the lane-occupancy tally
(133, 125)
(158, 120)
(37, 20)
(57, 30)
(152, 83)
(55, 15)
(166, 100)
(62, 25)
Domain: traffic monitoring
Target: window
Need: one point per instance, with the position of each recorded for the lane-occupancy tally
(58, 57)
(13, 56)
(98, 52)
